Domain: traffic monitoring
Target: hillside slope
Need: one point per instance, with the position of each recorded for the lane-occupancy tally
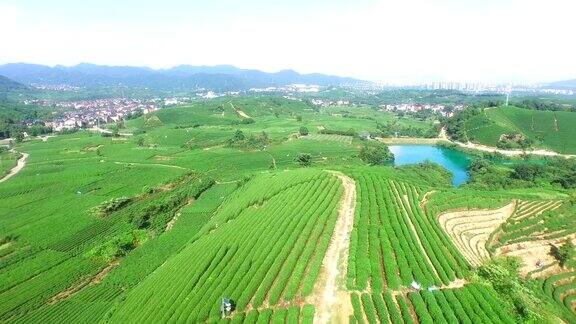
(7, 86)
(552, 130)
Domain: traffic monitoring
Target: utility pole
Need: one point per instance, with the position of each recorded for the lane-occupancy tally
(508, 94)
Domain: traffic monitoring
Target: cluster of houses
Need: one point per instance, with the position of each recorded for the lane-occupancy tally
(90, 113)
(291, 88)
(55, 87)
(328, 103)
(443, 110)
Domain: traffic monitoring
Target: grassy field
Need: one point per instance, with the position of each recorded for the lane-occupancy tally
(7, 162)
(158, 226)
(550, 130)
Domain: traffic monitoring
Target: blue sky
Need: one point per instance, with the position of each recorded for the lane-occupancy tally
(381, 40)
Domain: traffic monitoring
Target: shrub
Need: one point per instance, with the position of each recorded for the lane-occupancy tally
(111, 205)
(304, 159)
(307, 314)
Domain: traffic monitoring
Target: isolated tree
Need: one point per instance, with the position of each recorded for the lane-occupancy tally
(568, 181)
(140, 141)
(303, 131)
(299, 118)
(238, 136)
(304, 159)
(19, 137)
(264, 138)
(564, 254)
(572, 199)
(376, 154)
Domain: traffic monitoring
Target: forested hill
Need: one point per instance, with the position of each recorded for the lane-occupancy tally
(221, 77)
(8, 85)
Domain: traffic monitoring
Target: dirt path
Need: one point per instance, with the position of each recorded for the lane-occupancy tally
(485, 148)
(409, 140)
(96, 279)
(424, 200)
(443, 138)
(239, 112)
(171, 223)
(19, 166)
(332, 302)
(555, 122)
(45, 138)
(152, 164)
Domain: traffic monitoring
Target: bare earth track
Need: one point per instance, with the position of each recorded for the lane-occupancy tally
(239, 112)
(469, 145)
(19, 166)
(332, 302)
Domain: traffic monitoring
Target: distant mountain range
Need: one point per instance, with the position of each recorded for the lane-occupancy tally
(220, 77)
(567, 84)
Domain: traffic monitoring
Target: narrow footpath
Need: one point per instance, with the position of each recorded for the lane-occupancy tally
(332, 303)
(19, 166)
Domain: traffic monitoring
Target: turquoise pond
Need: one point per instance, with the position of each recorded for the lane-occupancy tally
(455, 161)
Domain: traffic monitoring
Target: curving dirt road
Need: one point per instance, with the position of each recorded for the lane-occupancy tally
(469, 145)
(332, 302)
(19, 166)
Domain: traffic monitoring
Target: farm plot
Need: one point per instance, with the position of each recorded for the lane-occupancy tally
(536, 220)
(562, 288)
(478, 233)
(394, 242)
(530, 233)
(256, 251)
(291, 315)
(31, 280)
(473, 303)
(536, 256)
(94, 300)
(471, 229)
(328, 137)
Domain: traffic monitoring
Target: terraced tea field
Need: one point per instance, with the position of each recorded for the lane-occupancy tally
(470, 230)
(203, 203)
(330, 138)
(472, 304)
(562, 287)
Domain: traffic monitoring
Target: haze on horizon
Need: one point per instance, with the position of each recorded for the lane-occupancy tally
(389, 41)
